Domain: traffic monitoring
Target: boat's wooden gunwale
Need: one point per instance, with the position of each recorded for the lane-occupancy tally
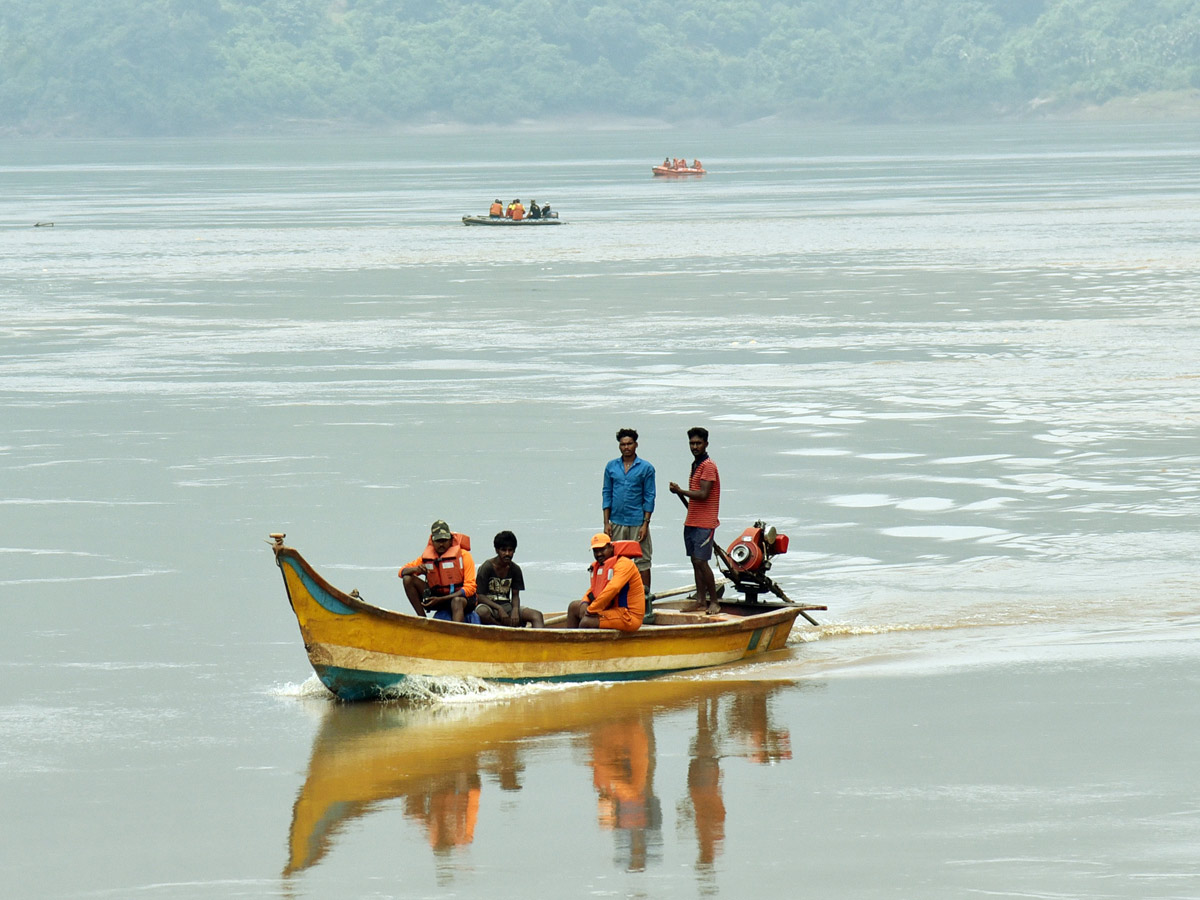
(490, 634)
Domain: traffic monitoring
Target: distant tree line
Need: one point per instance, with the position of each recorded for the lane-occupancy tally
(186, 66)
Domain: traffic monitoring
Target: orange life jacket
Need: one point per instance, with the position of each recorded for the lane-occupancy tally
(602, 572)
(496, 210)
(445, 574)
(518, 213)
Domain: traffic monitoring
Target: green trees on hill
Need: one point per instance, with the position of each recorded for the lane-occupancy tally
(179, 66)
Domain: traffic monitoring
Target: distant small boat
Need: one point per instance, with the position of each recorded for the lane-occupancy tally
(504, 220)
(671, 171)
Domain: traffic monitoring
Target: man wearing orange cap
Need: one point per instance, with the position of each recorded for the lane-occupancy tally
(617, 598)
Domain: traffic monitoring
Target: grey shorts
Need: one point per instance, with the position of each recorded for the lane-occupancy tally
(630, 533)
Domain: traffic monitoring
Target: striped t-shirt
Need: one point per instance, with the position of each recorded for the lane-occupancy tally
(703, 513)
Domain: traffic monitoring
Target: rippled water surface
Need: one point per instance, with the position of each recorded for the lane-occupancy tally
(960, 368)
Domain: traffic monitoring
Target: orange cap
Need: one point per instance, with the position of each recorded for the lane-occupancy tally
(600, 540)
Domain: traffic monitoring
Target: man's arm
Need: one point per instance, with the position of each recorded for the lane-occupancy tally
(485, 599)
(606, 497)
(516, 585)
(468, 587)
(678, 492)
(684, 494)
(648, 494)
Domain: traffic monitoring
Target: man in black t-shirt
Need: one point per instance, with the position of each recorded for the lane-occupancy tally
(499, 585)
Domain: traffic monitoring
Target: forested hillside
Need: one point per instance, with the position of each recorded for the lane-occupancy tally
(186, 66)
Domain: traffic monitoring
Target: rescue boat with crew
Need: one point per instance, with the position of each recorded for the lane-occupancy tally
(360, 651)
(672, 171)
(553, 219)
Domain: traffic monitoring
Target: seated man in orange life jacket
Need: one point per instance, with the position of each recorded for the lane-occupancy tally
(617, 598)
(442, 578)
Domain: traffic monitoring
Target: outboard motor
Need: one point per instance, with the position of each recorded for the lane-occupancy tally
(748, 559)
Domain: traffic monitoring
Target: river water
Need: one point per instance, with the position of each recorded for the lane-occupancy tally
(960, 368)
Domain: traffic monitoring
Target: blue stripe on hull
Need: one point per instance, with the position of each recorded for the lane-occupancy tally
(323, 597)
(360, 684)
(353, 684)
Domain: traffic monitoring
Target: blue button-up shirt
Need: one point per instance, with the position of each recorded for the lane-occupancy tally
(628, 495)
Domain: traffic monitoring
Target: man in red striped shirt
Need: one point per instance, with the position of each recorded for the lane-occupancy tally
(702, 497)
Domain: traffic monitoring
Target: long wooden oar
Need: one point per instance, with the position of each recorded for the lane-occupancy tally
(778, 592)
(675, 592)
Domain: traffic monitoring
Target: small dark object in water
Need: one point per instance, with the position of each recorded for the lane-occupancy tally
(43, 224)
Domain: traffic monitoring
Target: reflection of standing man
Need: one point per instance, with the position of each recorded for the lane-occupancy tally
(704, 784)
(628, 497)
(702, 497)
(751, 718)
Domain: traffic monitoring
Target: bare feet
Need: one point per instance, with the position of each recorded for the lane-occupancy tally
(714, 608)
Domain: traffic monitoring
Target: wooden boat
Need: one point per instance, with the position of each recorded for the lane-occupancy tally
(504, 221)
(672, 171)
(360, 651)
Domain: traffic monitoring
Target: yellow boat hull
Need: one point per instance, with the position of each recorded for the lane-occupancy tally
(360, 651)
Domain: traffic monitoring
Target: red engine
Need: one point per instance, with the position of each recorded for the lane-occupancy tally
(747, 559)
(754, 547)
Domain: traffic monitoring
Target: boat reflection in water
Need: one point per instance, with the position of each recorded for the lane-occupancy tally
(434, 759)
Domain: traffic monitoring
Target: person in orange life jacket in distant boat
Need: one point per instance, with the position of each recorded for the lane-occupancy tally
(442, 578)
(702, 497)
(497, 209)
(616, 598)
(518, 211)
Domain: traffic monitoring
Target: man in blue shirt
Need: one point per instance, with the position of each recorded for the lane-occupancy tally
(629, 500)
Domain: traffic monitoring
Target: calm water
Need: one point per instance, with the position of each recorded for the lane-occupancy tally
(960, 368)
